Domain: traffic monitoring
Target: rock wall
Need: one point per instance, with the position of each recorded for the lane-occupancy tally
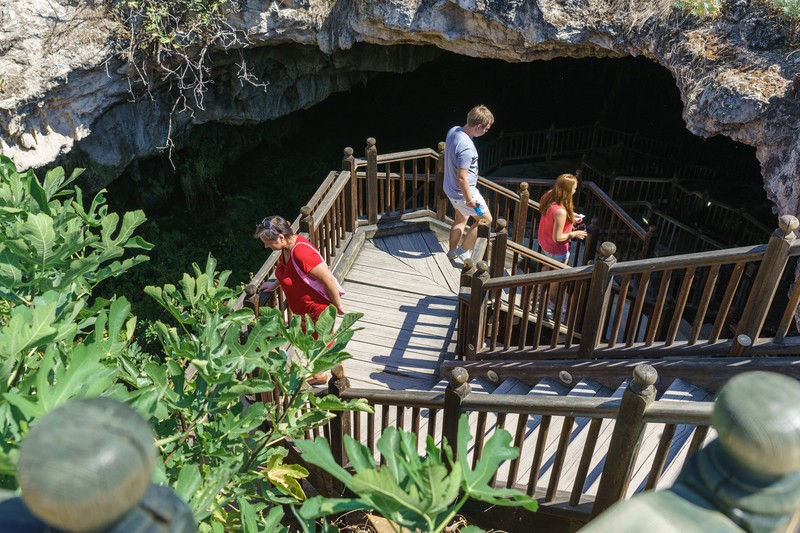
(62, 91)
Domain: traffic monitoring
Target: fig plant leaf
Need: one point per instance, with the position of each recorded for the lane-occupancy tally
(422, 493)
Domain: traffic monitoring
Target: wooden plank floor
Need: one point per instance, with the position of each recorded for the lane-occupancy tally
(406, 288)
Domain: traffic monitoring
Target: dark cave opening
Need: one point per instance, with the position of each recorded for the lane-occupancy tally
(404, 111)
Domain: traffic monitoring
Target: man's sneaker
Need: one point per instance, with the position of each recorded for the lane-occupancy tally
(459, 253)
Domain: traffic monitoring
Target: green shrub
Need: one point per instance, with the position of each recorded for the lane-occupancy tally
(58, 341)
(700, 8)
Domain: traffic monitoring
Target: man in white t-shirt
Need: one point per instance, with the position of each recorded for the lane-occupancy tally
(461, 180)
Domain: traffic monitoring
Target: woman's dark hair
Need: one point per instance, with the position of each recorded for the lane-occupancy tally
(269, 228)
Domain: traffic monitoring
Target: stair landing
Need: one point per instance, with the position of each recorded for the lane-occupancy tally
(407, 289)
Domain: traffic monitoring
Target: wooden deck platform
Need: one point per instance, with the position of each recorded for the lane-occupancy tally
(407, 289)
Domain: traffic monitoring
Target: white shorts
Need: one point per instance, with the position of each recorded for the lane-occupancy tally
(461, 205)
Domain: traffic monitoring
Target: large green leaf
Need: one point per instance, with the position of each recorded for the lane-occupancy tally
(38, 195)
(189, 480)
(406, 507)
(28, 328)
(476, 482)
(86, 376)
(318, 452)
(38, 232)
(285, 477)
(361, 458)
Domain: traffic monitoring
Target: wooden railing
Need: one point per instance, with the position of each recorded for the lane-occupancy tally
(609, 222)
(625, 419)
(650, 199)
(714, 303)
(394, 184)
(531, 145)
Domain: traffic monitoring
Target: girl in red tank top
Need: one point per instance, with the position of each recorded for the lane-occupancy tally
(558, 215)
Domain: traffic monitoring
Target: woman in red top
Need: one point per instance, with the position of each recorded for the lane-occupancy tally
(296, 251)
(555, 228)
(558, 215)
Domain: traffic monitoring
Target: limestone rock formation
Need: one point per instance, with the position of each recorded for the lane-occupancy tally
(62, 89)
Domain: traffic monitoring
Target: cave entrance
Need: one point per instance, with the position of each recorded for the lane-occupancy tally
(415, 109)
(407, 111)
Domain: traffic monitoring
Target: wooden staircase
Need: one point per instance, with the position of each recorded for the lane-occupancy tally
(589, 434)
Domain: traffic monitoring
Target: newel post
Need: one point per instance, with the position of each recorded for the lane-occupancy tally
(521, 213)
(440, 198)
(455, 393)
(307, 225)
(251, 298)
(765, 284)
(599, 291)
(650, 240)
(627, 438)
(467, 272)
(351, 192)
(499, 249)
(371, 154)
(340, 423)
(590, 243)
(477, 311)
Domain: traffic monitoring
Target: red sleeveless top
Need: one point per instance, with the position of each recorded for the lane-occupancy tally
(546, 223)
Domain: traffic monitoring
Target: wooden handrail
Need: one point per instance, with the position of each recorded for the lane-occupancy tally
(394, 157)
(524, 251)
(716, 257)
(618, 212)
(549, 276)
(629, 415)
(326, 203)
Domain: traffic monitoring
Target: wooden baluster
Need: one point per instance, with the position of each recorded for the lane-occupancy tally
(765, 284)
(551, 137)
(477, 311)
(597, 301)
(371, 154)
(440, 196)
(351, 191)
(340, 423)
(521, 213)
(457, 390)
(627, 438)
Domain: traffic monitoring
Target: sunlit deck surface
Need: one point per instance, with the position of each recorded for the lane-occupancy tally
(407, 289)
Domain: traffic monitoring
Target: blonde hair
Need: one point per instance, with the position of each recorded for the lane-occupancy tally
(480, 115)
(561, 194)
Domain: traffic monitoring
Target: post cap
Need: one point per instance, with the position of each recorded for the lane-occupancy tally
(788, 223)
(757, 416)
(608, 249)
(459, 375)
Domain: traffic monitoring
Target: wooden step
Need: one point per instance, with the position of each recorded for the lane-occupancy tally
(557, 433)
(525, 429)
(682, 391)
(477, 385)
